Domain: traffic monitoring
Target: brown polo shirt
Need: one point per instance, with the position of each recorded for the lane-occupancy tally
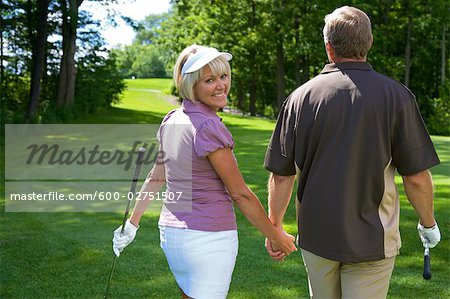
(345, 133)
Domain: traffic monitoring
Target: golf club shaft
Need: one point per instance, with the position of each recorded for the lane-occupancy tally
(426, 261)
(110, 277)
(127, 210)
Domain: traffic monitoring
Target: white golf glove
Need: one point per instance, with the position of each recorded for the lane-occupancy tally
(120, 241)
(432, 234)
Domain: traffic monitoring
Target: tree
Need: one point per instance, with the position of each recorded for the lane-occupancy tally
(147, 30)
(31, 64)
(67, 74)
(409, 28)
(38, 56)
(140, 61)
(15, 58)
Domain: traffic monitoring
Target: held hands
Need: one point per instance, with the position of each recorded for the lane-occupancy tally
(120, 241)
(280, 247)
(432, 234)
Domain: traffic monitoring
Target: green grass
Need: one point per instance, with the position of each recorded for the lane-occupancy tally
(69, 255)
(144, 102)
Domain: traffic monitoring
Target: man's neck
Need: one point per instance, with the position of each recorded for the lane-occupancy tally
(338, 60)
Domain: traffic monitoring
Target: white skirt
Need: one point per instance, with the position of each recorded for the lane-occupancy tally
(201, 261)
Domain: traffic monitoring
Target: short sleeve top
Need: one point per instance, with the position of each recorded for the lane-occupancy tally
(188, 135)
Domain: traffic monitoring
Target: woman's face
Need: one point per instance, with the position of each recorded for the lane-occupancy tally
(212, 90)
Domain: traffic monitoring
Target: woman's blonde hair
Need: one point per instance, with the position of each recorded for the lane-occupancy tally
(349, 32)
(186, 83)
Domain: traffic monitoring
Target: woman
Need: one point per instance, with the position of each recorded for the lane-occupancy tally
(197, 222)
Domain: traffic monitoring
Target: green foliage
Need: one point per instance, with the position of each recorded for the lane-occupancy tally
(143, 59)
(14, 95)
(276, 45)
(147, 30)
(98, 85)
(252, 30)
(140, 61)
(98, 82)
(439, 122)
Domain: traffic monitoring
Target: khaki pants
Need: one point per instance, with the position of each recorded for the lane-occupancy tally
(330, 279)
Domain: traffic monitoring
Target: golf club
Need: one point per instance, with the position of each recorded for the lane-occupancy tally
(132, 191)
(426, 261)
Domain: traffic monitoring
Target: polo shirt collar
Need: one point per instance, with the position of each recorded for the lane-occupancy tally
(190, 107)
(349, 65)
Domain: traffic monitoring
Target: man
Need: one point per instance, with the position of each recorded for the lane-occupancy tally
(344, 134)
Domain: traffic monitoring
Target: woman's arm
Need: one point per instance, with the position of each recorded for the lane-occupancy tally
(155, 180)
(226, 167)
(124, 236)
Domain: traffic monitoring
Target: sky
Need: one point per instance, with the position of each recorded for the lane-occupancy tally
(137, 10)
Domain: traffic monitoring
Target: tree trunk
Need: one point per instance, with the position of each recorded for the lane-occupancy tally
(385, 14)
(306, 70)
(67, 76)
(2, 68)
(240, 97)
(408, 47)
(253, 52)
(252, 91)
(281, 87)
(297, 64)
(280, 70)
(62, 84)
(444, 32)
(38, 58)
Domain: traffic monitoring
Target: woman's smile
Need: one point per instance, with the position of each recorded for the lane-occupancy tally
(212, 90)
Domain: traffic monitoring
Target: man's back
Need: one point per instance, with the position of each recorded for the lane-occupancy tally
(344, 134)
(350, 125)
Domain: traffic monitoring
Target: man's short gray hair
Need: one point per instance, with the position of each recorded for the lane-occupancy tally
(349, 32)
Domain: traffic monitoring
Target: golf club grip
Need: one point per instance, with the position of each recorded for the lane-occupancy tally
(133, 185)
(426, 267)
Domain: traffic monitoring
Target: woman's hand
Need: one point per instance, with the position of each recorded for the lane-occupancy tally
(282, 245)
(121, 240)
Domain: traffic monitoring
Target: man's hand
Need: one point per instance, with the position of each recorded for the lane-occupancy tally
(272, 249)
(275, 255)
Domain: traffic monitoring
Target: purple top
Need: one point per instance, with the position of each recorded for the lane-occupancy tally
(200, 200)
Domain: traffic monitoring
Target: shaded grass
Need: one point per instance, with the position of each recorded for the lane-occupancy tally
(68, 255)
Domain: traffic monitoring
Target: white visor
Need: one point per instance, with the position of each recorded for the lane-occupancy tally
(202, 58)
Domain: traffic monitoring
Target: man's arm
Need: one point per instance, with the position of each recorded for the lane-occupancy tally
(419, 190)
(280, 191)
